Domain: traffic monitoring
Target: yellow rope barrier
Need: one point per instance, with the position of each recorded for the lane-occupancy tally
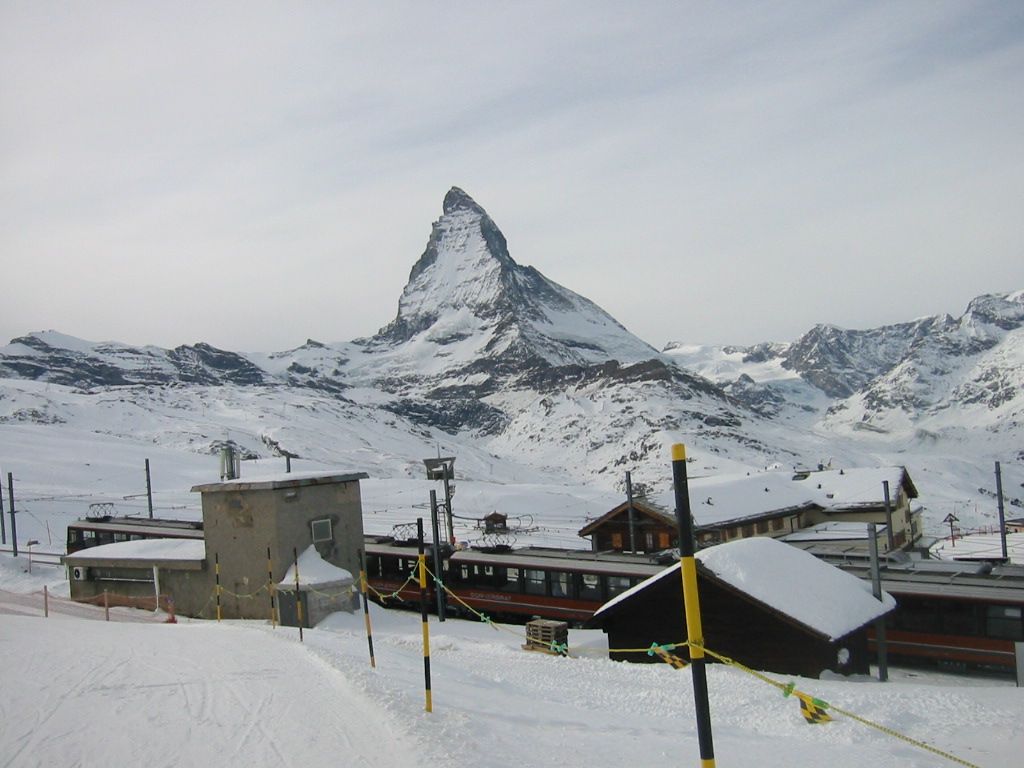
(808, 702)
(789, 688)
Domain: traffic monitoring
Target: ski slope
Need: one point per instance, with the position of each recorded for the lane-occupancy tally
(81, 692)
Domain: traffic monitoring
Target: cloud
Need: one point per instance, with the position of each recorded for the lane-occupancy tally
(253, 175)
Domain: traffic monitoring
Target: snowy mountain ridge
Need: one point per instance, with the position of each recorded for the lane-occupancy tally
(509, 368)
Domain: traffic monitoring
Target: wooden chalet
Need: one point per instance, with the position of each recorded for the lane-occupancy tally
(776, 503)
(766, 604)
(647, 528)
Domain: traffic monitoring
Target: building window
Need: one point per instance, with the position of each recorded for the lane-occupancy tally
(777, 524)
(748, 530)
(762, 526)
(321, 530)
(616, 541)
(663, 541)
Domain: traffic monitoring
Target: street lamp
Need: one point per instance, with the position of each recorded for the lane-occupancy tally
(443, 468)
(30, 543)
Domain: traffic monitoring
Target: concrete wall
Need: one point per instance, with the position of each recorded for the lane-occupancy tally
(131, 584)
(242, 521)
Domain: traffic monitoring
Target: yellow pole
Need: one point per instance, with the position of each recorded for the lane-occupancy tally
(270, 589)
(429, 705)
(298, 594)
(691, 603)
(366, 608)
(216, 574)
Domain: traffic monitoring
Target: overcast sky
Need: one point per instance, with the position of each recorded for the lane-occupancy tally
(255, 174)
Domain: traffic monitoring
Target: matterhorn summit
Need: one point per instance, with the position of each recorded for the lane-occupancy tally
(467, 299)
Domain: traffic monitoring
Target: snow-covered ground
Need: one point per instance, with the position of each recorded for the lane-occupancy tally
(81, 691)
(138, 692)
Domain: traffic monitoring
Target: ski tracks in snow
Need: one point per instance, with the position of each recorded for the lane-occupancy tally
(98, 694)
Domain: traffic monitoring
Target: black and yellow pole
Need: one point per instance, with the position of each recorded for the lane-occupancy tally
(429, 706)
(366, 608)
(216, 576)
(691, 602)
(270, 589)
(298, 593)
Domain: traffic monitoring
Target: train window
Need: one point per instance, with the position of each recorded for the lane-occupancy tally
(560, 584)
(495, 577)
(89, 535)
(373, 565)
(916, 615)
(589, 586)
(1004, 621)
(960, 619)
(120, 537)
(535, 583)
(511, 580)
(617, 585)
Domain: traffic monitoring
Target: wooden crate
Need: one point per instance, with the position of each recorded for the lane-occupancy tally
(547, 636)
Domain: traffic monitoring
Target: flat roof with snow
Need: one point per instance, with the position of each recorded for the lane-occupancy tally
(182, 554)
(283, 480)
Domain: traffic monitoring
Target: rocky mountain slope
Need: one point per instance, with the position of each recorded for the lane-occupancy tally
(933, 376)
(509, 369)
(483, 352)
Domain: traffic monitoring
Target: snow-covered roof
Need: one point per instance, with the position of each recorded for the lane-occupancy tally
(720, 499)
(860, 485)
(834, 531)
(980, 546)
(314, 570)
(794, 583)
(143, 549)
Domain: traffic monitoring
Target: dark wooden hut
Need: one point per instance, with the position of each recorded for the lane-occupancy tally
(763, 603)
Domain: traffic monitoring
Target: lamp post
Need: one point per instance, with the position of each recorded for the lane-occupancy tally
(30, 543)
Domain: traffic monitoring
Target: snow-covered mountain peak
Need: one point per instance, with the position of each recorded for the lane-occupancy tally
(457, 199)
(1005, 311)
(467, 295)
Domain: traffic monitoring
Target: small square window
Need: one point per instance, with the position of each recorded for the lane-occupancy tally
(321, 530)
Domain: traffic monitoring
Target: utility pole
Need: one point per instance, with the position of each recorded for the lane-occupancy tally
(889, 538)
(3, 525)
(14, 524)
(632, 516)
(876, 589)
(438, 580)
(149, 491)
(448, 502)
(1002, 514)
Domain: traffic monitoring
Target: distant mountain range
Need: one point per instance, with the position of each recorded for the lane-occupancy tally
(503, 363)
